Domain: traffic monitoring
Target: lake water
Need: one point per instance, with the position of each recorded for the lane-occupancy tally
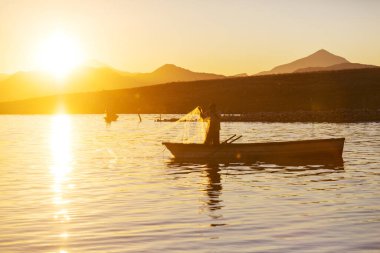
(72, 184)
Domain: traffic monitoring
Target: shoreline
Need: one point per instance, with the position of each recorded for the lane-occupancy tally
(339, 116)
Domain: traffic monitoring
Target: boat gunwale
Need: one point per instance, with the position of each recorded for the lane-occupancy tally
(258, 143)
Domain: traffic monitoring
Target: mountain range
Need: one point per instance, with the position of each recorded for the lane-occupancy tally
(337, 91)
(335, 67)
(23, 85)
(172, 73)
(321, 60)
(99, 77)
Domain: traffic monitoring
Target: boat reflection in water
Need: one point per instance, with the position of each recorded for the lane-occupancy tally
(215, 173)
(214, 186)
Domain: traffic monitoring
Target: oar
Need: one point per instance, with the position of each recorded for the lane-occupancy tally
(228, 139)
(237, 138)
(218, 147)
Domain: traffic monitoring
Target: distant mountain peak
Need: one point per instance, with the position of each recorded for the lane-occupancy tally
(173, 73)
(322, 51)
(169, 65)
(321, 58)
(170, 68)
(325, 53)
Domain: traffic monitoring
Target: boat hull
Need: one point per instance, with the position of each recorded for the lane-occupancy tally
(307, 150)
(111, 118)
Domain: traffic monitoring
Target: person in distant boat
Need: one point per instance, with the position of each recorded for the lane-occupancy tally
(110, 116)
(213, 131)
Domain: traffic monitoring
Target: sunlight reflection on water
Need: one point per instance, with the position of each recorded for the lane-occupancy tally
(71, 184)
(61, 146)
(61, 167)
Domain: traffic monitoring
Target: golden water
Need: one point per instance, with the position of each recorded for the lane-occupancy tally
(71, 184)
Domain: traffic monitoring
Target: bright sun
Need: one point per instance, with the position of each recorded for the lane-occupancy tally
(59, 54)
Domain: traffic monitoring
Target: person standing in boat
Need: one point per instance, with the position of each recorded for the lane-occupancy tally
(110, 116)
(213, 131)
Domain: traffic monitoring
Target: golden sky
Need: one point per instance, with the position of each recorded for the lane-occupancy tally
(218, 36)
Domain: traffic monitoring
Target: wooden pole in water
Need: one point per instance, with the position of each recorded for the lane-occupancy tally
(139, 117)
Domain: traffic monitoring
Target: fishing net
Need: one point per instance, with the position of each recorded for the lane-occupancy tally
(190, 128)
(194, 127)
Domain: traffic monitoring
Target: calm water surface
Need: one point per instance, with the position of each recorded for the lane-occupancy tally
(71, 184)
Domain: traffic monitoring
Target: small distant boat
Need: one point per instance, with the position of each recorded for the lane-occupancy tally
(324, 150)
(111, 117)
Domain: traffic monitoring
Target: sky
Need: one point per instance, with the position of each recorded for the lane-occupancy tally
(216, 36)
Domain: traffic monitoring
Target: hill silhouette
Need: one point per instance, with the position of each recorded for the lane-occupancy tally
(171, 73)
(24, 85)
(314, 91)
(337, 67)
(97, 76)
(240, 75)
(321, 58)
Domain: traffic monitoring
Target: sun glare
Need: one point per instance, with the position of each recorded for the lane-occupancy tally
(61, 145)
(59, 54)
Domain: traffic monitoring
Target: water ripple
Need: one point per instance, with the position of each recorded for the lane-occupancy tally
(71, 184)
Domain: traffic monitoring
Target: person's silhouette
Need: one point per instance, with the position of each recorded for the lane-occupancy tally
(213, 131)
